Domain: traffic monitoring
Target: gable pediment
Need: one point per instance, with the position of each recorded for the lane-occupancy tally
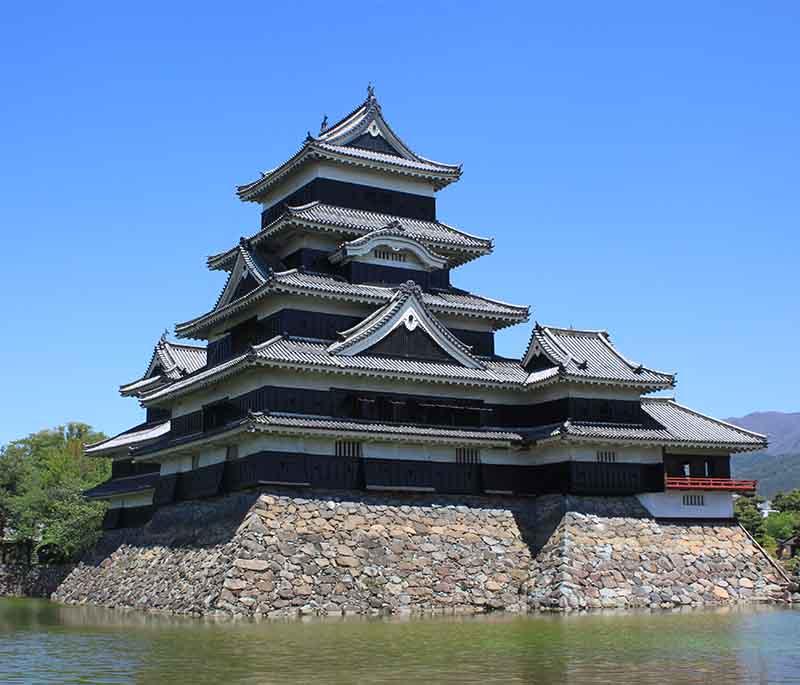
(405, 328)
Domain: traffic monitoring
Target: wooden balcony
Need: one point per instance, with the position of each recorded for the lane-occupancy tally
(699, 483)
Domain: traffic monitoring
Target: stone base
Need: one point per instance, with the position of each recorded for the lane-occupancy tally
(594, 562)
(23, 580)
(288, 553)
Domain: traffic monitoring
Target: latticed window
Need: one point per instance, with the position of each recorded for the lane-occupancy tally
(606, 456)
(468, 455)
(347, 448)
(693, 501)
(390, 256)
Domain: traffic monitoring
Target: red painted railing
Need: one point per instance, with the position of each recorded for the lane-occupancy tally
(697, 483)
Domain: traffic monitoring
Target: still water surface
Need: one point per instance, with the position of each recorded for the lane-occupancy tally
(42, 642)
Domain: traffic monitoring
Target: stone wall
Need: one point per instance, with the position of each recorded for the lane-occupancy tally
(24, 580)
(596, 561)
(289, 553)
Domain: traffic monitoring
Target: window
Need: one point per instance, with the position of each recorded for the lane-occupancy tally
(195, 461)
(606, 456)
(693, 501)
(390, 256)
(231, 452)
(468, 455)
(345, 448)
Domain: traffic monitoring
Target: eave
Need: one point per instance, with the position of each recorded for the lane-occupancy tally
(199, 327)
(293, 218)
(312, 150)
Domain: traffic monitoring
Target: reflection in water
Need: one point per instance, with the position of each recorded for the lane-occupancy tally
(45, 642)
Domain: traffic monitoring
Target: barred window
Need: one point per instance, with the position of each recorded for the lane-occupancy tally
(346, 448)
(390, 256)
(693, 501)
(606, 456)
(468, 455)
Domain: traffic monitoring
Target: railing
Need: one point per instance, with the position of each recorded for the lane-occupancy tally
(698, 483)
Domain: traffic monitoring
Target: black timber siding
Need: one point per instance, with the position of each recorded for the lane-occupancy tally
(199, 483)
(404, 408)
(127, 517)
(322, 471)
(380, 274)
(355, 196)
(308, 324)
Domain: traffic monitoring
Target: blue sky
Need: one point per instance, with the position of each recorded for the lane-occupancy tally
(637, 166)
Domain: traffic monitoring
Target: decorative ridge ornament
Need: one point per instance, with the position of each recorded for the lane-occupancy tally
(370, 91)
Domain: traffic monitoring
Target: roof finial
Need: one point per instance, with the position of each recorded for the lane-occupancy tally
(324, 125)
(370, 91)
(164, 335)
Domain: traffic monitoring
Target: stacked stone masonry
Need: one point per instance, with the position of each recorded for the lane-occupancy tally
(281, 553)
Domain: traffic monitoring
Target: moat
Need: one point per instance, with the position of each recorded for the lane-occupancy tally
(44, 642)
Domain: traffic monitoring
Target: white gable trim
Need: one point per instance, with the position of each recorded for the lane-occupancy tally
(362, 247)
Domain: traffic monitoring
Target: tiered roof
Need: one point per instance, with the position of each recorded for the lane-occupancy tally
(587, 356)
(297, 282)
(346, 224)
(352, 141)
(120, 444)
(169, 362)
(672, 425)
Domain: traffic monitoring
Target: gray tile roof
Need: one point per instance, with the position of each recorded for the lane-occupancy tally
(304, 283)
(333, 144)
(589, 355)
(120, 443)
(284, 351)
(690, 425)
(123, 486)
(457, 245)
(673, 426)
(169, 361)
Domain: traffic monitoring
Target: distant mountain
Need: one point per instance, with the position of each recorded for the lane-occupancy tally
(777, 469)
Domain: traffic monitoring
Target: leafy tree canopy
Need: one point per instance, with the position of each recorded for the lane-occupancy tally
(749, 515)
(42, 477)
(787, 501)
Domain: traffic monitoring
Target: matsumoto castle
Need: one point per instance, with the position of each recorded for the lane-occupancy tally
(340, 354)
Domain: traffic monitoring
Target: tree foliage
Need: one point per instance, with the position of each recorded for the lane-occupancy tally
(42, 478)
(787, 501)
(749, 515)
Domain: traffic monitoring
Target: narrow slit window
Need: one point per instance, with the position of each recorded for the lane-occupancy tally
(468, 455)
(606, 456)
(693, 500)
(347, 448)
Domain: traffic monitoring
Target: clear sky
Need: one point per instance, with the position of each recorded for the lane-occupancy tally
(637, 166)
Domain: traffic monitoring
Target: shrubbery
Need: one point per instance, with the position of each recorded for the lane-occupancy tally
(42, 477)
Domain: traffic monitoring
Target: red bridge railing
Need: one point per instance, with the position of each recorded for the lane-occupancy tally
(698, 483)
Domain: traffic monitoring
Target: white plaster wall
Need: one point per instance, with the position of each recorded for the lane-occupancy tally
(284, 443)
(128, 501)
(670, 504)
(208, 455)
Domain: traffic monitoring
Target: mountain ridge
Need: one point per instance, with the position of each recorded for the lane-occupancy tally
(777, 468)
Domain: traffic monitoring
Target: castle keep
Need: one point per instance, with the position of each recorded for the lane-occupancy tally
(341, 355)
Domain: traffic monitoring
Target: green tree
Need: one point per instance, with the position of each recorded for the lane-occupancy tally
(42, 477)
(781, 525)
(787, 501)
(748, 514)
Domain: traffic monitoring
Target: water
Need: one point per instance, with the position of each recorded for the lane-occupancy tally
(42, 642)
